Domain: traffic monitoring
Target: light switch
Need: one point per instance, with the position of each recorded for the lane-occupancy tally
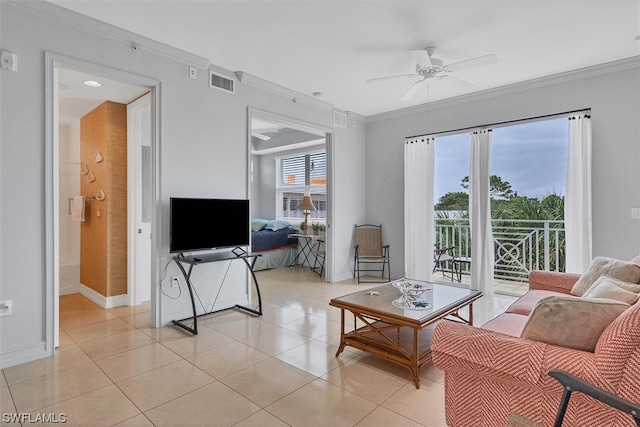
(635, 213)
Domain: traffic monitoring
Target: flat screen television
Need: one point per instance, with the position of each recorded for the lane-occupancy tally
(205, 224)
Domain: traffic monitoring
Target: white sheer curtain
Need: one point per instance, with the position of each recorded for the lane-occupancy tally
(577, 205)
(482, 252)
(418, 207)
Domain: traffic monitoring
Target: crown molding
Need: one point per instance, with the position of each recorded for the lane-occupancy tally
(581, 73)
(112, 32)
(295, 96)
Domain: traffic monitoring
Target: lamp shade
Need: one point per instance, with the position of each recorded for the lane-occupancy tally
(306, 204)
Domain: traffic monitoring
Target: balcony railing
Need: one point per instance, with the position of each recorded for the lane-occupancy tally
(520, 245)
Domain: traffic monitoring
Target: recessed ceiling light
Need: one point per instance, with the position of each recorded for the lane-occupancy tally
(92, 83)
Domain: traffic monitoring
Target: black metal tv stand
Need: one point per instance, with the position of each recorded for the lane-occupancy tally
(192, 261)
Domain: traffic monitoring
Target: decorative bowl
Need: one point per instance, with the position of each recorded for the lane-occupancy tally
(412, 292)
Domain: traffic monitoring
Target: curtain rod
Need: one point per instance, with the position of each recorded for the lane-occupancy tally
(446, 132)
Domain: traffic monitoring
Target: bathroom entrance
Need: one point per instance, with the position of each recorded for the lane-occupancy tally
(103, 155)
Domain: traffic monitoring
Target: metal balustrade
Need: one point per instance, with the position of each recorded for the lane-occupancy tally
(520, 245)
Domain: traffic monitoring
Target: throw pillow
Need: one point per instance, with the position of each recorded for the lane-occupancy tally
(621, 270)
(610, 288)
(257, 224)
(276, 225)
(572, 322)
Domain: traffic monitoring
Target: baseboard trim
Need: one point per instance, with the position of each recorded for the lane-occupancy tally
(101, 300)
(23, 355)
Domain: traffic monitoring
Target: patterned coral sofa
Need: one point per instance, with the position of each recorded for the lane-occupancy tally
(492, 371)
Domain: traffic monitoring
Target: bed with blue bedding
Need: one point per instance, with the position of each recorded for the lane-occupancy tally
(270, 238)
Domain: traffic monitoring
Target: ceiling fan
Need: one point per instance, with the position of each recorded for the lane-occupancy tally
(430, 68)
(259, 128)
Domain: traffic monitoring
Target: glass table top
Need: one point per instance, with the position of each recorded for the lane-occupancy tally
(438, 298)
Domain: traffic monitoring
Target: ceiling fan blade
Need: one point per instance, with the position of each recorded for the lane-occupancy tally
(260, 136)
(422, 57)
(380, 79)
(413, 90)
(456, 80)
(473, 62)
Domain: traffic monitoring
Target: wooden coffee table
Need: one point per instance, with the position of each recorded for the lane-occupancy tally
(402, 336)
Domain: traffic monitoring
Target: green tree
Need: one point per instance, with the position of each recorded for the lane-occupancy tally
(457, 201)
(498, 189)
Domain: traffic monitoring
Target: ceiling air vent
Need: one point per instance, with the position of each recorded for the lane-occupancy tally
(339, 119)
(218, 81)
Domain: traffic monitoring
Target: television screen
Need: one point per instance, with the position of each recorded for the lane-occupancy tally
(201, 224)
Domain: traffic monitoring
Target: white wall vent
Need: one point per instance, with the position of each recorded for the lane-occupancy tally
(220, 82)
(339, 119)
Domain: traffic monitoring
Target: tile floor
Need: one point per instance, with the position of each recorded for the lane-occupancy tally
(276, 370)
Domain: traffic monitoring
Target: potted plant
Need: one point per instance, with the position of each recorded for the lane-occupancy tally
(318, 227)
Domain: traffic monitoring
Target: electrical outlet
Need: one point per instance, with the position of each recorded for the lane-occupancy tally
(192, 72)
(5, 308)
(175, 282)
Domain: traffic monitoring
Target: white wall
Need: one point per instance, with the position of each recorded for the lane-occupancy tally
(69, 186)
(202, 152)
(349, 207)
(613, 94)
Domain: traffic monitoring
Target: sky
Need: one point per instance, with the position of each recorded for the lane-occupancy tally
(532, 157)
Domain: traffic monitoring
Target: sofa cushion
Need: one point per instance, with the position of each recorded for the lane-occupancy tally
(621, 270)
(610, 288)
(526, 303)
(573, 322)
(507, 323)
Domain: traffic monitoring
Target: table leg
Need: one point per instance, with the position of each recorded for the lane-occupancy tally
(343, 343)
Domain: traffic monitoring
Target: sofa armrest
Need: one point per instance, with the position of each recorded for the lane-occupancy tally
(485, 353)
(552, 281)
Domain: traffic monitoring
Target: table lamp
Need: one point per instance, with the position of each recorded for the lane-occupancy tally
(306, 206)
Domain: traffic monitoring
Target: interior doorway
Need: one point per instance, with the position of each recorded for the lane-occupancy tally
(72, 97)
(289, 161)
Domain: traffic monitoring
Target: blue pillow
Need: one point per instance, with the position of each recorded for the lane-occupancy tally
(276, 225)
(258, 224)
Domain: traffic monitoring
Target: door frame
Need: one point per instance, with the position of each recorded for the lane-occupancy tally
(322, 131)
(53, 62)
(135, 128)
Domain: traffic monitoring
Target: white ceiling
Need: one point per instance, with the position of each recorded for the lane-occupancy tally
(75, 99)
(333, 47)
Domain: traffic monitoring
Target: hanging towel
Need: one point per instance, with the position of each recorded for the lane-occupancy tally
(77, 208)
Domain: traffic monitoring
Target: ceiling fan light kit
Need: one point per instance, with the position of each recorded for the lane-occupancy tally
(430, 68)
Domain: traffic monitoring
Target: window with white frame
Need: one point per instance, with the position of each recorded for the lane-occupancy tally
(299, 174)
